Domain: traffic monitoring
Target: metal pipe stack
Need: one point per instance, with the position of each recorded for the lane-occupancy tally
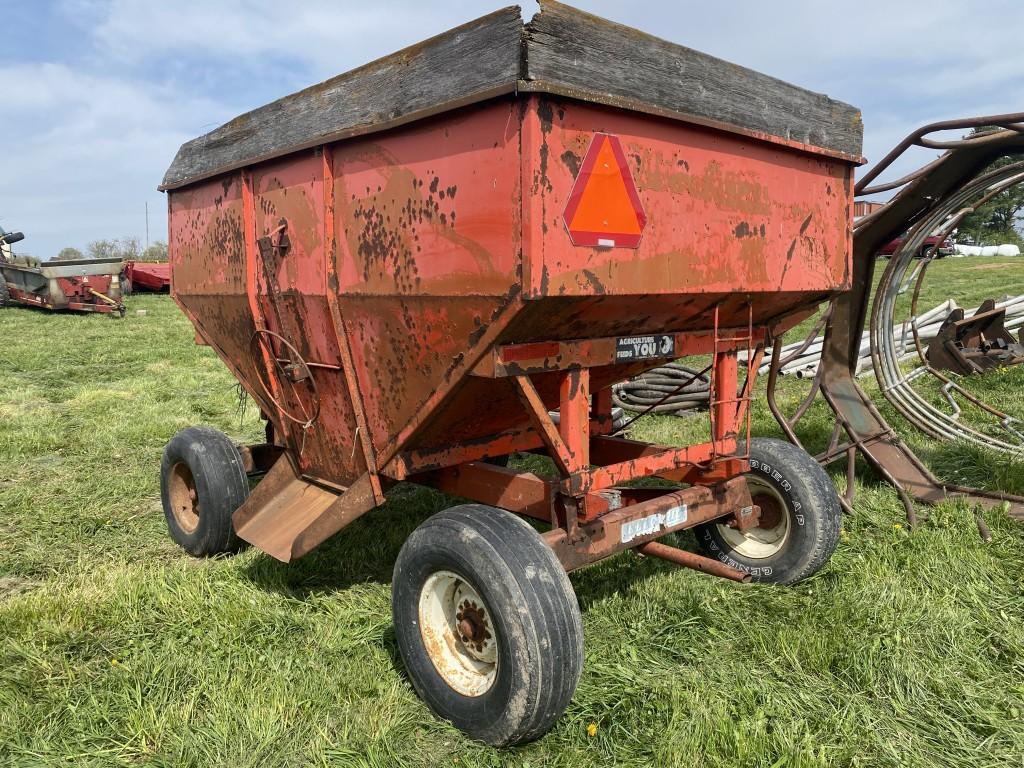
(928, 325)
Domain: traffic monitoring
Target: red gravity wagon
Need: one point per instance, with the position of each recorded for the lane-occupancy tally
(410, 266)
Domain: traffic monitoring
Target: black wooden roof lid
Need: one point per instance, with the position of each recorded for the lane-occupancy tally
(562, 51)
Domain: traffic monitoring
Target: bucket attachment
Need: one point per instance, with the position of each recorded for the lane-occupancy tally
(286, 516)
(975, 344)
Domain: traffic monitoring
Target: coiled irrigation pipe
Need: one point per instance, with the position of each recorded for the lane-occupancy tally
(897, 386)
(669, 389)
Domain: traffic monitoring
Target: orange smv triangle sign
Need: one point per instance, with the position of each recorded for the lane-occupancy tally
(604, 209)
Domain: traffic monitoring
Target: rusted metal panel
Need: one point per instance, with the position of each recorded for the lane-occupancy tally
(206, 251)
(724, 215)
(427, 232)
(293, 302)
(287, 516)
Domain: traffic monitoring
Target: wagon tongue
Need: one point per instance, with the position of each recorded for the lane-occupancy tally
(286, 516)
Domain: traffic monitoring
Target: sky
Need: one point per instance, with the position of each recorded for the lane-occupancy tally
(96, 96)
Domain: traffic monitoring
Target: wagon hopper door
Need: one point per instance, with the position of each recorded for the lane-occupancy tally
(296, 344)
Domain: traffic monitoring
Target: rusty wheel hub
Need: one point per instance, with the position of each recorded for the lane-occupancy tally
(458, 633)
(183, 497)
(472, 625)
(771, 510)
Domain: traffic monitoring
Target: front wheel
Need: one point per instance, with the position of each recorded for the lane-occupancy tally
(800, 518)
(202, 483)
(487, 624)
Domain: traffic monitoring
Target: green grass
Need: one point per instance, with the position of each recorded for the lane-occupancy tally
(118, 649)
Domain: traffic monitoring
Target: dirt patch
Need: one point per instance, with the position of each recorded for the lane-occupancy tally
(15, 585)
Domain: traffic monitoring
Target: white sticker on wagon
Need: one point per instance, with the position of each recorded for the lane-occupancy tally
(645, 526)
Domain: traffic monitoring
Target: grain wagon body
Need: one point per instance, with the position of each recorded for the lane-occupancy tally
(410, 266)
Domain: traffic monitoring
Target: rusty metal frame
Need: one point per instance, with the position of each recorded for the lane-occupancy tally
(586, 505)
(868, 433)
(105, 306)
(605, 535)
(341, 331)
(29, 299)
(599, 537)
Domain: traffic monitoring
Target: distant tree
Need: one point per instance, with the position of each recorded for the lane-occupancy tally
(124, 248)
(128, 248)
(156, 252)
(69, 254)
(103, 249)
(25, 260)
(999, 220)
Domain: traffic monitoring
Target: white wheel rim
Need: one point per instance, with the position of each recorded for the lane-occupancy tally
(458, 633)
(760, 543)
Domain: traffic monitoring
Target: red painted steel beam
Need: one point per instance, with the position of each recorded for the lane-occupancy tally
(601, 413)
(725, 382)
(548, 430)
(633, 526)
(574, 416)
(341, 330)
(662, 462)
(549, 356)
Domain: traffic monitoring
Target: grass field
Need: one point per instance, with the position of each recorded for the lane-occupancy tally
(118, 649)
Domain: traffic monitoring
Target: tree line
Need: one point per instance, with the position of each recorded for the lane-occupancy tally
(126, 248)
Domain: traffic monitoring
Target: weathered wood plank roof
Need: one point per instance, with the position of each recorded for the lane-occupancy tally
(561, 51)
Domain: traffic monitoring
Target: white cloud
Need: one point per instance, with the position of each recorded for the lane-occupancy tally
(83, 153)
(329, 36)
(86, 139)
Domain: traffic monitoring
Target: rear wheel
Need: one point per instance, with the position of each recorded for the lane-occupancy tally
(800, 518)
(202, 483)
(487, 624)
(5, 292)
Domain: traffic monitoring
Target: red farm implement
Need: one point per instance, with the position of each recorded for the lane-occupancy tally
(154, 276)
(81, 285)
(411, 265)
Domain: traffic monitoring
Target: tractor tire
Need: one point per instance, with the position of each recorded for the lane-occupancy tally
(202, 483)
(800, 518)
(487, 624)
(5, 293)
